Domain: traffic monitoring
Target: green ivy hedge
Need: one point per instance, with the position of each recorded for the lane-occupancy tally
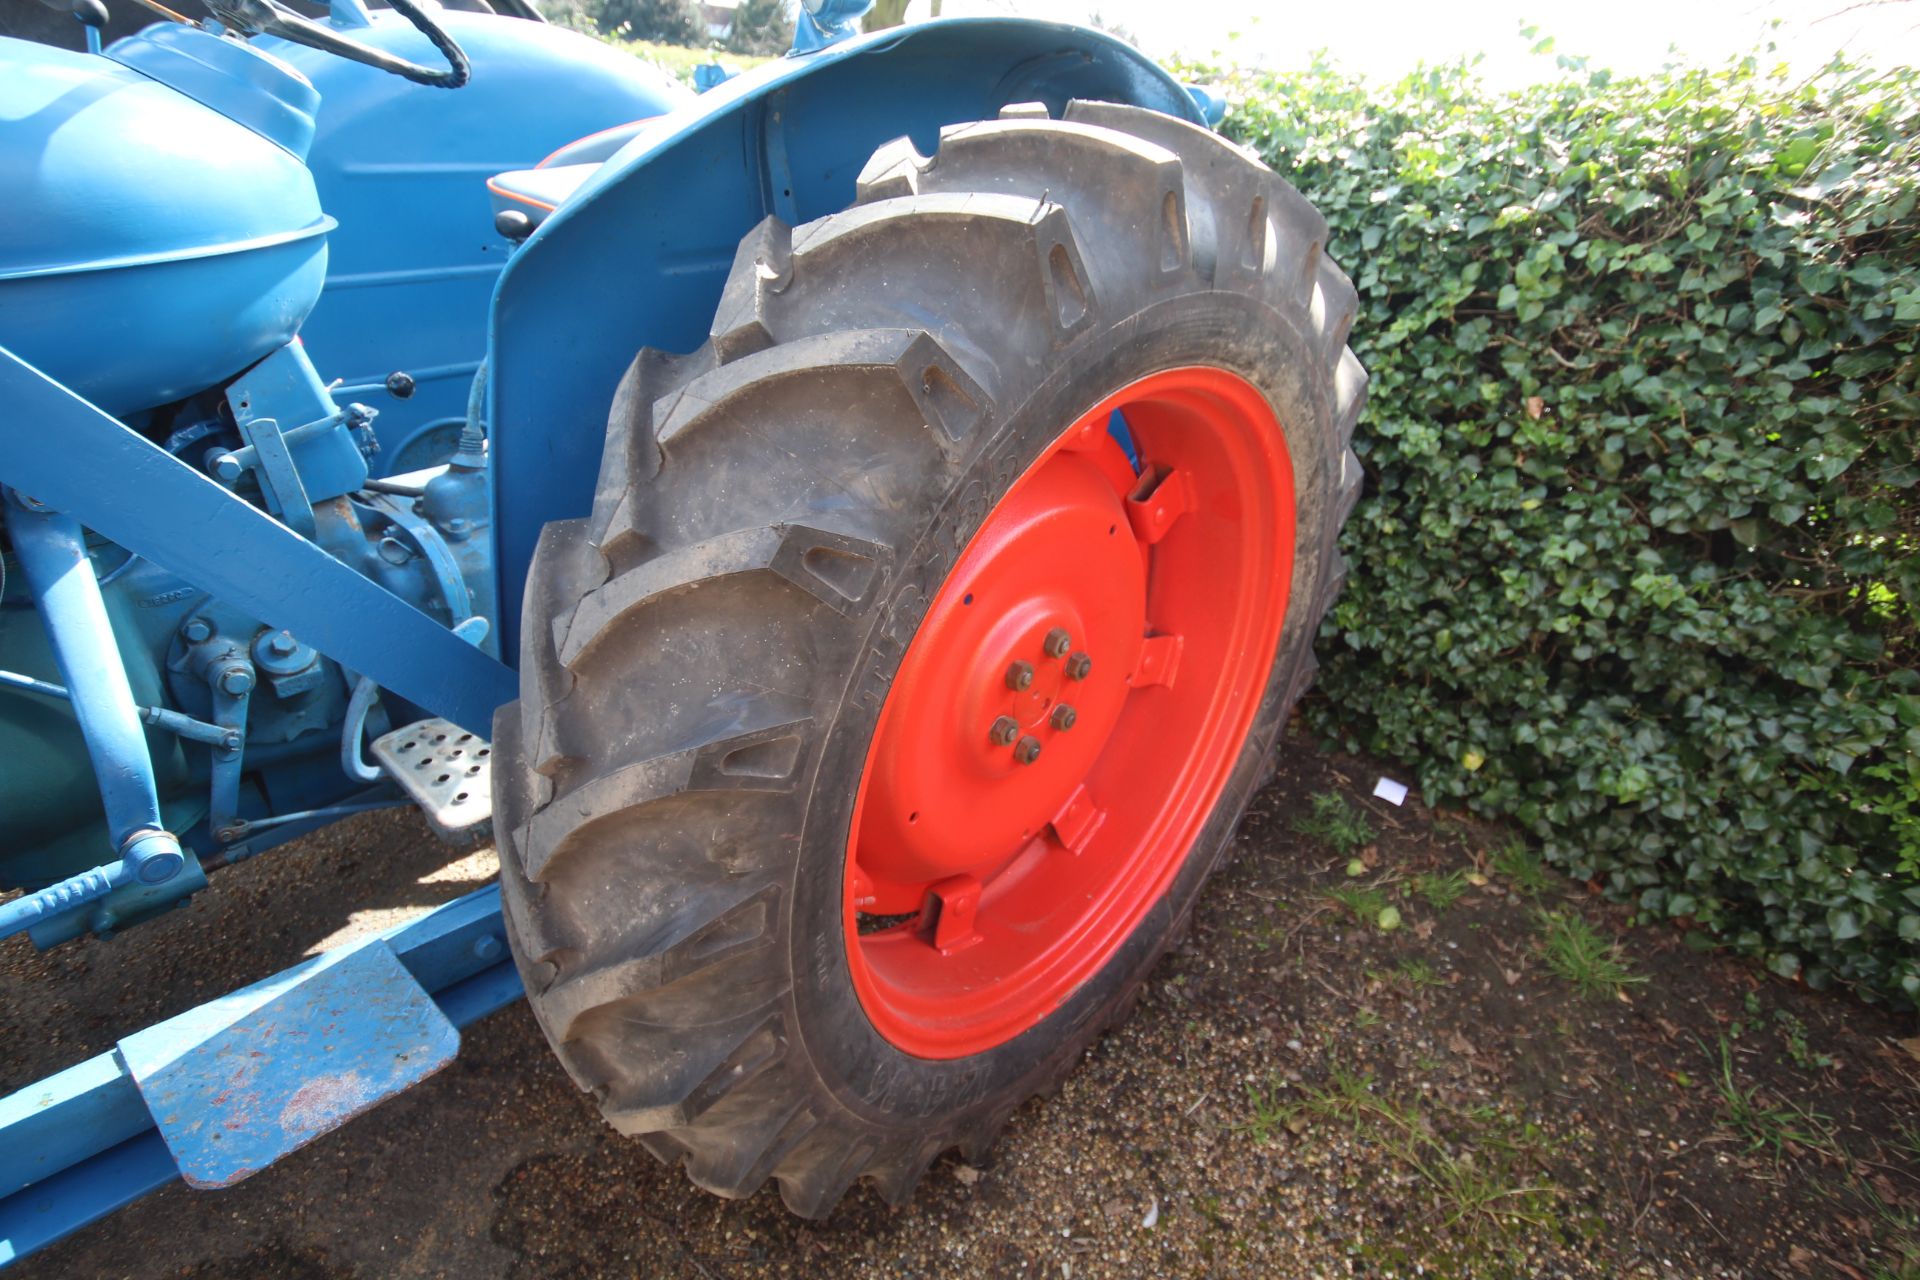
(1638, 566)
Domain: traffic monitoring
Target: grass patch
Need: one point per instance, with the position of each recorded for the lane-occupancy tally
(1479, 1165)
(1419, 974)
(1414, 972)
(1762, 1127)
(1334, 822)
(1441, 889)
(1268, 1111)
(1793, 1033)
(1899, 1235)
(1362, 901)
(1577, 952)
(1519, 866)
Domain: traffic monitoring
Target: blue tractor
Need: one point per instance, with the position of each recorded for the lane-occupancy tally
(852, 536)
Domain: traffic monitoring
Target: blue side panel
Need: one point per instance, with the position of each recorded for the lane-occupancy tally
(638, 256)
(404, 168)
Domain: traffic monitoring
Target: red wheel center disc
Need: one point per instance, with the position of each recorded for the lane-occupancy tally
(1068, 713)
(953, 799)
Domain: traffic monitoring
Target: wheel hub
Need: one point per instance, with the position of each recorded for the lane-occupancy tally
(951, 792)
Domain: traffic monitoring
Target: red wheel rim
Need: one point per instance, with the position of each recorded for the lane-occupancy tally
(983, 889)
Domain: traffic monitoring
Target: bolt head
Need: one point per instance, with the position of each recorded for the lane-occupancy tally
(1020, 676)
(1027, 750)
(197, 630)
(236, 681)
(1079, 666)
(281, 644)
(1004, 731)
(1064, 717)
(1057, 643)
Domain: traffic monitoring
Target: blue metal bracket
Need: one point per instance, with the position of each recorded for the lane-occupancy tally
(236, 1084)
(162, 509)
(227, 1088)
(53, 553)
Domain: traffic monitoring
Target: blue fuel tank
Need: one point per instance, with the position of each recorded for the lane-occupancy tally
(163, 232)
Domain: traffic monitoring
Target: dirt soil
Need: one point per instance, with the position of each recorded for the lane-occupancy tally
(1450, 1069)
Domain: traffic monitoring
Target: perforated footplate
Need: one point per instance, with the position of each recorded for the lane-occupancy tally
(447, 771)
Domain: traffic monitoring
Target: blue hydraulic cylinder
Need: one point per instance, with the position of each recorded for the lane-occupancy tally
(52, 552)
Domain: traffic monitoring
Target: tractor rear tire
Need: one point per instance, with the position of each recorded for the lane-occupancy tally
(934, 623)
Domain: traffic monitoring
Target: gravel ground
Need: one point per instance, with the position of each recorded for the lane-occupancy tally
(1302, 1092)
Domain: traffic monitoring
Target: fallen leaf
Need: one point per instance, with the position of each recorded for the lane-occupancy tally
(1535, 407)
(1459, 1044)
(1667, 1029)
(1152, 1219)
(1912, 1046)
(1423, 929)
(1511, 975)
(965, 1174)
(1800, 1259)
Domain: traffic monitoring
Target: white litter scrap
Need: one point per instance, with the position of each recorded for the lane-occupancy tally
(1390, 791)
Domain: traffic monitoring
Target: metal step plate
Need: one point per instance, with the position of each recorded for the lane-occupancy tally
(447, 771)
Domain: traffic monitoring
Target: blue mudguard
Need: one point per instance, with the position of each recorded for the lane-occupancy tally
(637, 256)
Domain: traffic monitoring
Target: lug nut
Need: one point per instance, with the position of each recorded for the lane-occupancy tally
(1079, 666)
(1064, 717)
(1057, 643)
(1004, 731)
(1020, 676)
(1027, 750)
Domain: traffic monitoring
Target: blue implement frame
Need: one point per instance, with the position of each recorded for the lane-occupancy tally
(85, 1142)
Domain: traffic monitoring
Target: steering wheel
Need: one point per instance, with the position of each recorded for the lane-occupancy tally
(270, 17)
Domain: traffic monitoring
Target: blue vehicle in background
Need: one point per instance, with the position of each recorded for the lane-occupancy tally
(851, 536)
